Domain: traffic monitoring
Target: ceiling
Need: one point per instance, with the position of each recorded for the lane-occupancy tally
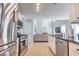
(47, 10)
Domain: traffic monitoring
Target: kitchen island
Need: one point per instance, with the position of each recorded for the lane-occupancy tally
(66, 46)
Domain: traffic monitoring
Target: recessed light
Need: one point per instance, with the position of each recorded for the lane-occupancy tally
(37, 4)
(37, 10)
(37, 7)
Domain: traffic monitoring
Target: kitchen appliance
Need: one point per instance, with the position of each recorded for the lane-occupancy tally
(61, 47)
(1, 8)
(22, 38)
(1, 16)
(8, 36)
(22, 43)
(75, 30)
(58, 30)
(10, 39)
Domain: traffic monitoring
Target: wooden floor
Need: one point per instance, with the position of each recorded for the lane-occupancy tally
(39, 49)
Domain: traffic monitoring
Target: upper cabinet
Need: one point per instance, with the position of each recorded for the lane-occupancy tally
(74, 11)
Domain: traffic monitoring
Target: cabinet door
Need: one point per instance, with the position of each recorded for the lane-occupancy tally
(77, 10)
(52, 45)
(50, 41)
(74, 11)
(74, 47)
(72, 53)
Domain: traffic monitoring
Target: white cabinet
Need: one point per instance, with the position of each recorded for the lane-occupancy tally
(72, 53)
(73, 49)
(52, 44)
(74, 11)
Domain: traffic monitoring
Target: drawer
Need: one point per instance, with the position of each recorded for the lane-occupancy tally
(72, 53)
(74, 47)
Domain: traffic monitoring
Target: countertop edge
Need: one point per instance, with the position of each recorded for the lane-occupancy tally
(65, 39)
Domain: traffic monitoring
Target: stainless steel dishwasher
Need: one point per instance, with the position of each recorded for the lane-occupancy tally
(61, 47)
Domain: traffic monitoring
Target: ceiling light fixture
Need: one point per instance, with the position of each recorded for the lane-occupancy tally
(37, 7)
(37, 4)
(37, 10)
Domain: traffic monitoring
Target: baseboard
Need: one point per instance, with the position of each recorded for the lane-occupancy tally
(40, 41)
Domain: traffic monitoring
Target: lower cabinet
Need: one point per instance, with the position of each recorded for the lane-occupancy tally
(73, 49)
(72, 53)
(52, 44)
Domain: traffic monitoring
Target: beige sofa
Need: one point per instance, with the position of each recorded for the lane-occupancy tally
(40, 38)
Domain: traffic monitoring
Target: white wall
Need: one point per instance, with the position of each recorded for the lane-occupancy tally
(34, 26)
(42, 25)
(27, 26)
(46, 25)
(28, 29)
(39, 26)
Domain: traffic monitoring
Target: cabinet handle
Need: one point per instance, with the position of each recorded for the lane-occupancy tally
(56, 41)
(77, 49)
(60, 42)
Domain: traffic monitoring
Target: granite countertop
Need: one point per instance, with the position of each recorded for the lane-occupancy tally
(61, 38)
(73, 41)
(22, 35)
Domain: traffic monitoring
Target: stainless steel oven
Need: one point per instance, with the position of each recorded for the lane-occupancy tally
(22, 43)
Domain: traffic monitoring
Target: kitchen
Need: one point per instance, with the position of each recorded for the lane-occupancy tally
(34, 24)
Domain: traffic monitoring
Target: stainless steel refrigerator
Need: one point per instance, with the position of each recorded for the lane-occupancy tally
(7, 33)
